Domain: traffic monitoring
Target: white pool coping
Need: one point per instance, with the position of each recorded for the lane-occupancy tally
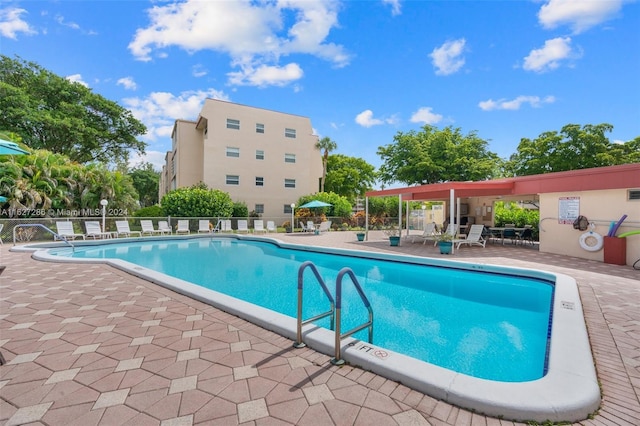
(568, 392)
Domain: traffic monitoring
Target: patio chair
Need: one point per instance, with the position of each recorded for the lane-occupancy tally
(473, 238)
(324, 227)
(66, 232)
(258, 227)
(427, 235)
(94, 230)
(122, 227)
(164, 228)
(183, 227)
(204, 226)
(525, 235)
(1, 226)
(310, 226)
(147, 227)
(243, 226)
(271, 226)
(509, 234)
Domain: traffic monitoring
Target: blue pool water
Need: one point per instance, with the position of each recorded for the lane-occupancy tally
(485, 325)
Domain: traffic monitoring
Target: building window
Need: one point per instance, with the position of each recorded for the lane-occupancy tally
(233, 152)
(259, 154)
(290, 133)
(259, 181)
(289, 158)
(287, 209)
(259, 208)
(289, 183)
(233, 124)
(233, 180)
(259, 128)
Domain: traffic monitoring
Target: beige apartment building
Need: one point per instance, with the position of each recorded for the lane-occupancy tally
(264, 158)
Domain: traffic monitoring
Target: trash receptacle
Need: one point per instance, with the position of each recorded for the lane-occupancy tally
(615, 250)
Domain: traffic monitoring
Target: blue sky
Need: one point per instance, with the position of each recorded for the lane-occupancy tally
(360, 70)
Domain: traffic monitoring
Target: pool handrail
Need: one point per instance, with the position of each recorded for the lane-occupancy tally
(337, 360)
(300, 322)
(39, 225)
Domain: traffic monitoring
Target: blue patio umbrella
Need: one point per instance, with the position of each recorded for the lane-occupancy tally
(3, 199)
(11, 148)
(314, 204)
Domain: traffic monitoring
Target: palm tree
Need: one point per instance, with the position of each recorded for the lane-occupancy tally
(327, 145)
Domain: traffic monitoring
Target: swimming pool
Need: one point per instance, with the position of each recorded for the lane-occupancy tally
(563, 382)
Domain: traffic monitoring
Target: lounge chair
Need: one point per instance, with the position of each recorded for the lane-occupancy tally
(427, 235)
(271, 226)
(122, 227)
(204, 226)
(94, 231)
(226, 225)
(66, 232)
(324, 227)
(303, 227)
(311, 227)
(474, 237)
(164, 228)
(258, 226)
(147, 228)
(183, 227)
(452, 228)
(243, 226)
(1, 226)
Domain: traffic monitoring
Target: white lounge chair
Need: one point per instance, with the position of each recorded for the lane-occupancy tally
(427, 235)
(474, 237)
(324, 227)
(243, 227)
(258, 227)
(94, 231)
(271, 226)
(66, 232)
(310, 226)
(183, 227)
(1, 226)
(204, 226)
(303, 227)
(164, 228)
(224, 225)
(122, 227)
(147, 227)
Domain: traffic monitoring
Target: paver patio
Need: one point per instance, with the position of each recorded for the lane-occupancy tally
(92, 345)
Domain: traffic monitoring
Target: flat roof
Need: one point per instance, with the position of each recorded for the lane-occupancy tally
(610, 177)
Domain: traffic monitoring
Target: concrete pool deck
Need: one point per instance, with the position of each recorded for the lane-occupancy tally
(93, 345)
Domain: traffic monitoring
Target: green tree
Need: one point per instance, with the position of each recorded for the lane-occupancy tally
(349, 176)
(52, 113)
(197, 201)
(573, 148)
(146, 180)
(433, 155)
(340, 205)
(327, 145)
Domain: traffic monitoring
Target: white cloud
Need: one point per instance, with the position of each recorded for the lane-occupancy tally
(60, 20)
(395, 6)
(154, 157)
(76, 78)
(11, 23)
(159, 110)
(128, 83)
(425, 115)
(199, 70)
(580, 15)
(365, 119)
(448, 59)
(265, 75)
(549, 56)
(254, 34)
(515, 104)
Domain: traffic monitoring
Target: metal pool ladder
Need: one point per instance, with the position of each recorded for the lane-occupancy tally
(39, 225)
(335, 311)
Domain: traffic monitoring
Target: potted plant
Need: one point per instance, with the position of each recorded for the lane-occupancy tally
(360, 235)
(394, 235)
(445, 242)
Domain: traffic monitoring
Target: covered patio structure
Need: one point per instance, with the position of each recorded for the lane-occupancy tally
(603, 194)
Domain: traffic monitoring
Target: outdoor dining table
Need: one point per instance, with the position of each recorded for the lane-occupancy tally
(498, 231)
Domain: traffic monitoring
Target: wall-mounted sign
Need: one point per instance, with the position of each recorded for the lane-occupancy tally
(568, 209)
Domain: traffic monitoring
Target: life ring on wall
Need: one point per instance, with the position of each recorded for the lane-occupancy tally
(591, 241)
